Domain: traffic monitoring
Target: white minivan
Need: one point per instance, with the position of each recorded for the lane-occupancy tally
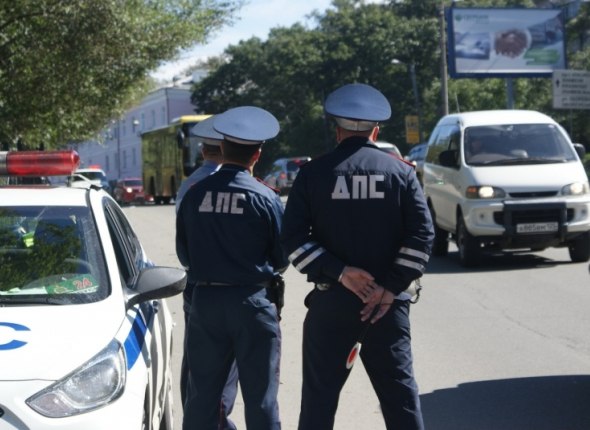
(506, 180)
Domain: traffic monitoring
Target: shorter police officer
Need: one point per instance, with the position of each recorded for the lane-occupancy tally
(228, 229)
(212, 158)
(357, 224)
(211, 152)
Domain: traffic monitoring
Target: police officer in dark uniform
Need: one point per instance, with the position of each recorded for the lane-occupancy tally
(228, 229)
(212, 158)
(357, 224)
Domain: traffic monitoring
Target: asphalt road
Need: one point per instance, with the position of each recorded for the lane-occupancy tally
(502, 347)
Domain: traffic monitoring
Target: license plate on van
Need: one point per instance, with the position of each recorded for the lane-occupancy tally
(537, 227)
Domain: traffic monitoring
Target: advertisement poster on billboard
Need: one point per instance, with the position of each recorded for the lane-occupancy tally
(489, 42)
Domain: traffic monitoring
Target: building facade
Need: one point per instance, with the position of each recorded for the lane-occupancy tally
(118, 152)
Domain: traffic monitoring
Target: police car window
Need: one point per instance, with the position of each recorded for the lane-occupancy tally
(128, 248)
(50, 255)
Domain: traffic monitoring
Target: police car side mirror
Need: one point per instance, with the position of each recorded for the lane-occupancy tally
(157, 283)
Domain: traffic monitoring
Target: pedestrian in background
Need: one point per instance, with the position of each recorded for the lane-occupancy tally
(227, 234)
(212, 158)
(357, 224)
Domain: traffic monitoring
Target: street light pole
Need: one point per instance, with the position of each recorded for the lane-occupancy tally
(412, 72)
(412, 68)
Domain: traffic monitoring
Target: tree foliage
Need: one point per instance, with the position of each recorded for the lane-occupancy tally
(291, 72)
(67, 66)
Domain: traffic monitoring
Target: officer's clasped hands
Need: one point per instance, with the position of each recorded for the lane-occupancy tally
(377, 304)
(359, 281)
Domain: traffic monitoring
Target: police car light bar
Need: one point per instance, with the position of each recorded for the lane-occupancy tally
(38, 163)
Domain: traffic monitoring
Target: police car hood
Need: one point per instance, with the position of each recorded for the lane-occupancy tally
(533, 176)
(49, 342)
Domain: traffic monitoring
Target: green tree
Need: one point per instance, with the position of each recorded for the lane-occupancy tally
(295, 68)
(66, 67)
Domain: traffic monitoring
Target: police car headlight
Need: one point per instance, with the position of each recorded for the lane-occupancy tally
(484, 192)
(576, 189)
(95, 384)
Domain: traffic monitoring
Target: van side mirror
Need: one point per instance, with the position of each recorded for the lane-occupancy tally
(449, 158)
(581, 150)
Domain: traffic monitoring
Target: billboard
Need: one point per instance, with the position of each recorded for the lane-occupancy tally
(503, 42)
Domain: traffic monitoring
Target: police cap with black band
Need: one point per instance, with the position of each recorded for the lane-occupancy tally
(207, 133)
(357, 107)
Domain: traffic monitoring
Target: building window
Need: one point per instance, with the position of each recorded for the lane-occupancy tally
(163, 115)
(142, 121)
(134, 155)
(153, 118)
(107, 164)
(124, 159)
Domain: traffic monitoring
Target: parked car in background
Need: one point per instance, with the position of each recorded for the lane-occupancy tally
(130, 190)
(92, 175)
(389, 148)
(416, 156)
(283, 172)
(86, 330)
(506, 180)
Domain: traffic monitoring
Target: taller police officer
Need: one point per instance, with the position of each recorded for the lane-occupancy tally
(357, 224)
(228, 229)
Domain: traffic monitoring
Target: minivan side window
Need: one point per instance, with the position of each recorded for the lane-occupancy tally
(448, 137)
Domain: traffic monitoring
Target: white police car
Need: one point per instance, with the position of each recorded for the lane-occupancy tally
(85, 337)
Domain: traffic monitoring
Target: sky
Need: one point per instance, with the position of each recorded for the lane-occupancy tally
(255, 19)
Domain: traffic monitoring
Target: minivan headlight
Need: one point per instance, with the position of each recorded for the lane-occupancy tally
(576, 189)
(95, 384)
(484, 192)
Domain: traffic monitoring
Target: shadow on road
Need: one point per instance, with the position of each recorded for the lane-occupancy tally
(536, 403)
(493, 262)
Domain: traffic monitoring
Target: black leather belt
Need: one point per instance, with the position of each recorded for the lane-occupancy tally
(225, 284)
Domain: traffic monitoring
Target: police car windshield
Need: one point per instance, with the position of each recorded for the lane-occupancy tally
(50, 255)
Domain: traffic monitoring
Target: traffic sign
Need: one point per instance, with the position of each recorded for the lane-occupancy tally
(571, 89)
(412, 129)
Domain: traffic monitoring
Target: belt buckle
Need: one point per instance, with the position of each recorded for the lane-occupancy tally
(323, 287)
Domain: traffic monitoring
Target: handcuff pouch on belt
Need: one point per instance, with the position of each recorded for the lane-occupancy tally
(276, 292)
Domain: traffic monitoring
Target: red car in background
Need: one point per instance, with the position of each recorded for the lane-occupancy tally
(130, 190)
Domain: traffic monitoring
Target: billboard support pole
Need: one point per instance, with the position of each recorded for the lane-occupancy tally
(509, 93)
(444, 92)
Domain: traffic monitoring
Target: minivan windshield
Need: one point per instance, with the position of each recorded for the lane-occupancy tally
(516, 144)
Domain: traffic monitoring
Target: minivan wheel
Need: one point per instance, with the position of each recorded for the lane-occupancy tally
(579, 248)
(469, 247)
(440, 245)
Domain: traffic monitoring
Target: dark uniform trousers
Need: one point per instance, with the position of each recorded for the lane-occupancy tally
(331, 328)
(240, 322)
(230, 390)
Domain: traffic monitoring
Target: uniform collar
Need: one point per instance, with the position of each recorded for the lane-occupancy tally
(355, 141)
(236, 167)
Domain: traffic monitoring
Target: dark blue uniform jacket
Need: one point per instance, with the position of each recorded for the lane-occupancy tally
(228, 228)
(361, 207)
